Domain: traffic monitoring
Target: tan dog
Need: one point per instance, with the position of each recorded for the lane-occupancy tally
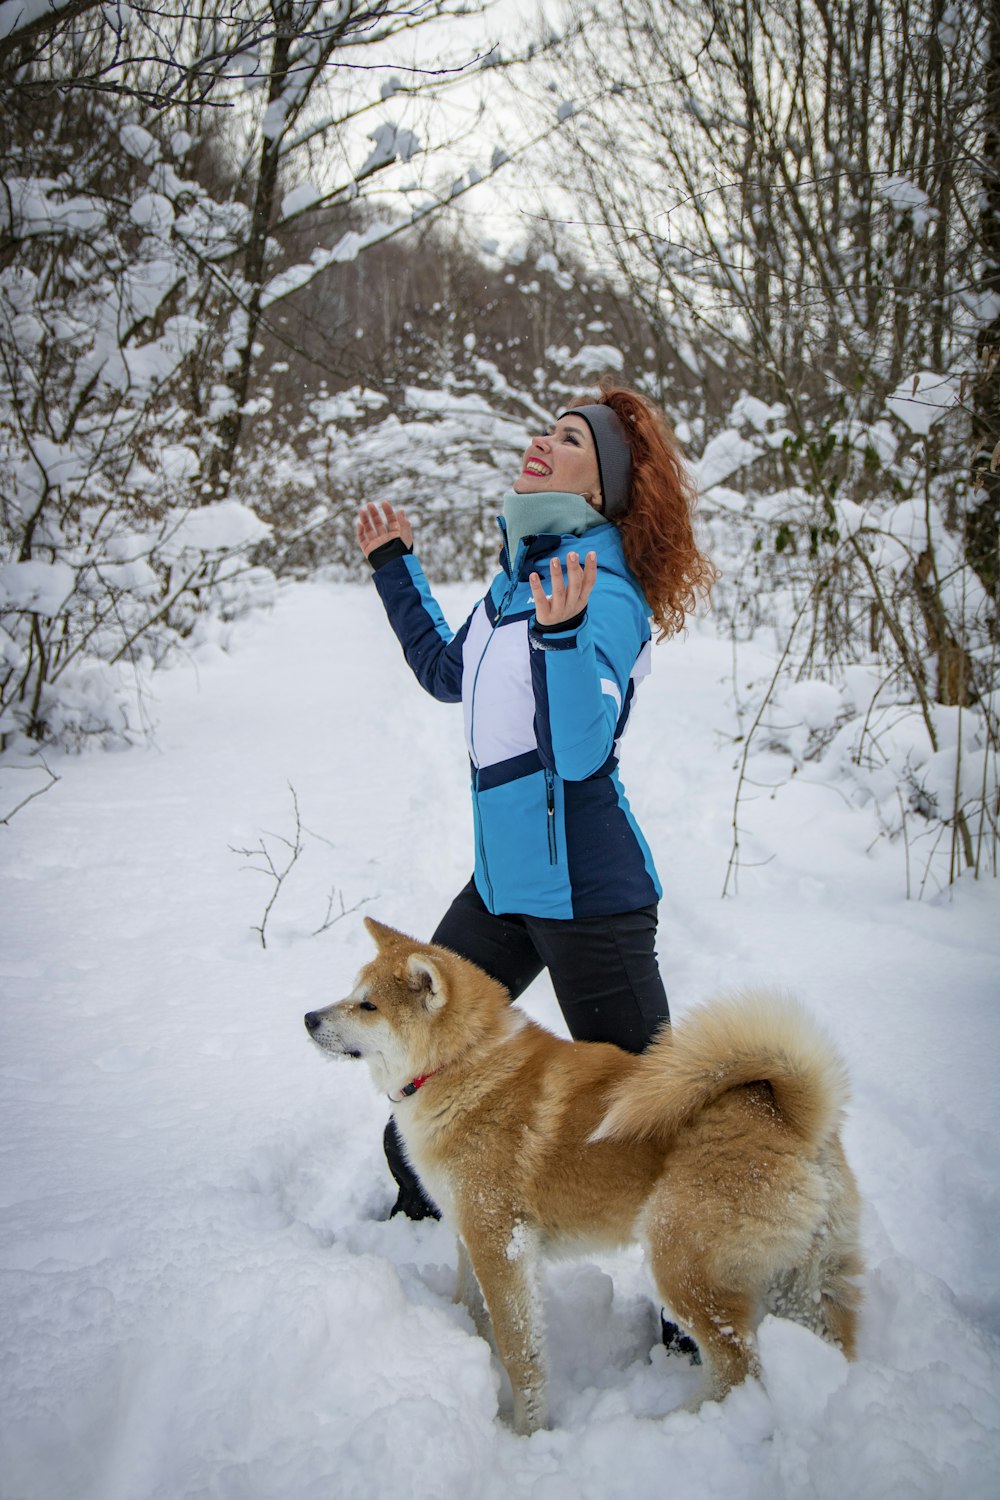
(717, 1149)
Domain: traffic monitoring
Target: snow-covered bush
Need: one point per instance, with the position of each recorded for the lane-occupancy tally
(107, 555)
(446, 456)
(459, 355)
(809, 246)
(157, 173)
(884, 636)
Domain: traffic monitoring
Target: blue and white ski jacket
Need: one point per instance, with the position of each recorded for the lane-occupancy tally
(544, 713)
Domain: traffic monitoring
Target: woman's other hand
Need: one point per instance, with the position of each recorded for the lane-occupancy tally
(375, 526)
(569, 596)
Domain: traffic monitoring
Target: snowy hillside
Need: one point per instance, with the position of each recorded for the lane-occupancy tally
(201, 1293)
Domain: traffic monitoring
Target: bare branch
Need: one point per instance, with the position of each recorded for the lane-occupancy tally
(39, 791)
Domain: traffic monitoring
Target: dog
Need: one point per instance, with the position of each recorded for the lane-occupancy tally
(717, 1149)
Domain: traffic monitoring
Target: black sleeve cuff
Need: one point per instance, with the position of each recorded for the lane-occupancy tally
(573, 624)
(388, 552)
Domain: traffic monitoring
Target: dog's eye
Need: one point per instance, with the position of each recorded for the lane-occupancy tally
(366, 1005)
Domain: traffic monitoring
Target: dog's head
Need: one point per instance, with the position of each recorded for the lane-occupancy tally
(392, 1018)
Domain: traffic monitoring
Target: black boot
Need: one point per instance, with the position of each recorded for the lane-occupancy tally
(412, 1200)
(676, 1341)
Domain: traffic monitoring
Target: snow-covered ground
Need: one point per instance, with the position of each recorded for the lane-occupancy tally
(202, 1295)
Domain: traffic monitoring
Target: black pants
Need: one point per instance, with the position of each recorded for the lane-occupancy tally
(603, 970)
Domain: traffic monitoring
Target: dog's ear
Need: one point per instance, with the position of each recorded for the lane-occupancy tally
(426, 980)
(384, 937)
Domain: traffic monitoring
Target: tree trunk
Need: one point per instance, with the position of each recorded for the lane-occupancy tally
(230, 426)
(983, 523)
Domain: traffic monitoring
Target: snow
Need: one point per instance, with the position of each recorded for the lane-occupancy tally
(17, 15)
(154, 212)
(815, 702)
(392, 142)
(724, 455)
(906, 198)
(201, 1292)
(723, 498)
(921, 399)
(877, 436)
(223, 527)
(596, 359)
(138, 142)
(758, 413)
(850, 516)
(32, 206)
(348, 248)
(145, 284)
(178, 462)
(39, 587)
(299, 199)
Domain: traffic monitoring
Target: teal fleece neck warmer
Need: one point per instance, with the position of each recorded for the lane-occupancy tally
(547, 513)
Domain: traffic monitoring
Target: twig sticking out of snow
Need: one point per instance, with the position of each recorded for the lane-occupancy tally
(38, 792)
(269, 867)
(264, 862)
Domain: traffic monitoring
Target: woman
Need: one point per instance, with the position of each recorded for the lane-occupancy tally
(563, 878)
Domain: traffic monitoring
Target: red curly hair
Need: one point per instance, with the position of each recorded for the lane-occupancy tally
(657, 531)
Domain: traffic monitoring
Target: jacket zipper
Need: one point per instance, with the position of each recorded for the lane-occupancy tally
(550, 808)
(504, 604)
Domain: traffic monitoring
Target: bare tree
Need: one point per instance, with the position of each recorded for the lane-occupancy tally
(984, 514)
(791, 186)
(158, 168)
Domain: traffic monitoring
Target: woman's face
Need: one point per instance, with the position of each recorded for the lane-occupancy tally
(564, 459)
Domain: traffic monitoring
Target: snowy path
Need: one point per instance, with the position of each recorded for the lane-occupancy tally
(200, 1297)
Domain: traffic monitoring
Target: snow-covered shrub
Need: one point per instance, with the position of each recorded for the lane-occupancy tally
(445, 456)
(883, 633)
(455, 356)
(106, 554)
(160, 206)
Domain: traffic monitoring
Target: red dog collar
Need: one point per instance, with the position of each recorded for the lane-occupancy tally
(412, 1086)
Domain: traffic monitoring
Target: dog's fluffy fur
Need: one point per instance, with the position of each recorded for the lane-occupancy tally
(717, 1148)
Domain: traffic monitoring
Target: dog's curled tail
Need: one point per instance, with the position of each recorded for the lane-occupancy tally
(747, 1038)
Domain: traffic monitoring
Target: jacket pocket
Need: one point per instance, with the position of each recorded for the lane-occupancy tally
(519, 846)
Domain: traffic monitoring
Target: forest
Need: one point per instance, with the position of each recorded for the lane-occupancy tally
(247, 281)
(262, 261)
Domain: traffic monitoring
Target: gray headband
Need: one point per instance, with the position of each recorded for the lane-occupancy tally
(614, 456)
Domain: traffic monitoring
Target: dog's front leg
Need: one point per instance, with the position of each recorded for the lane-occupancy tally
(507, 1271)
(469, 1294)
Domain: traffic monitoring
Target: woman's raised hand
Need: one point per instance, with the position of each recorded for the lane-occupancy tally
(378, 525)
(569, 597)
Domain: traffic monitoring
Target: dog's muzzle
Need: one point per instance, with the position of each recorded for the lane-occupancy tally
(329, 1040)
